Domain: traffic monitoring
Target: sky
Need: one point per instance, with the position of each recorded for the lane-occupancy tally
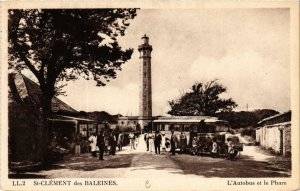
(247, 50)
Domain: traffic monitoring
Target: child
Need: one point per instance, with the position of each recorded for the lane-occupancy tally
(232, 153)
(194, 146)
(214, 148)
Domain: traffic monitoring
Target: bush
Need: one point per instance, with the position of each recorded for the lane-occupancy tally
(249, 131)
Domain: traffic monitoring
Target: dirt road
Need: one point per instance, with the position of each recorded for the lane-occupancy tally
(138, 163)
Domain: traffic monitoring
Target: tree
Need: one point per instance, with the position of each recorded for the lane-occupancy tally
(264, 113)
(244, 119)
(203, 99)
(63, 44)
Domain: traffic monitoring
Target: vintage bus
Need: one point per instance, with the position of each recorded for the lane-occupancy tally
(191, 126)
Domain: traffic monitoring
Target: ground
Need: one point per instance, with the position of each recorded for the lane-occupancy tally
(253, 162)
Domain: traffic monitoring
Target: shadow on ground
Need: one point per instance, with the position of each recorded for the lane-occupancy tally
(245, 166)
(207, 166)
(81, 163)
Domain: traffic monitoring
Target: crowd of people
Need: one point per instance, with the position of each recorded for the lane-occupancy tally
(102, 143)
(155, 142)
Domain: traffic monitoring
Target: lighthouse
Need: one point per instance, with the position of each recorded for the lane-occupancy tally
(145, 102)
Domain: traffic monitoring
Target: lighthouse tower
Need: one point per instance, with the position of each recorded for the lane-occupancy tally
(145, 104)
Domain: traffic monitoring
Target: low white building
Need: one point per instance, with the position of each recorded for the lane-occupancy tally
(274, 134)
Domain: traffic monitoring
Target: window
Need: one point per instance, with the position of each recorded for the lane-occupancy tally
(92, 129)
(194, 128)
(177, 127)
(122, 122)
(155, 128)
(83, 130)
(167, 127)
(187, 128)
(211, 129)
(172, 127)
(162, 127)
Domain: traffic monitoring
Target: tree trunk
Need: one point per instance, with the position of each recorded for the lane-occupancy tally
(42, 131)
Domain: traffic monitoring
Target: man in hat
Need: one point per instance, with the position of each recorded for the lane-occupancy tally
(101, 145)
(157, 142)
(146, 138)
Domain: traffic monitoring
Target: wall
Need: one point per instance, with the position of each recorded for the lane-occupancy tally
(127, 123)
(269, 137)
(287, 139)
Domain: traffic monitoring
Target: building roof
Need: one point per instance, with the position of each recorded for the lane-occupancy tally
(25, 89)
(273, 117)
(77, 118)
(188, 119)
(283, 124)
(136, 117)
(128, 118)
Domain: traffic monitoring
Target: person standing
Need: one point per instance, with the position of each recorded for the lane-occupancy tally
(93, 144)
(214, 148)
(136, 141)
(157, 142)
(182, 142)
(146, 138)
(131, 138)
(151, 142)
(232, 153)
(101, 145)
(77, 144)
(172, 142)
(112, 143)
(163, 142)
(120, 141)
(194, 146)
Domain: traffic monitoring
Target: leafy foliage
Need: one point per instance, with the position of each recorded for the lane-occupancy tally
(246, 118)
(62, 44)
(204, 99)
(99, 116)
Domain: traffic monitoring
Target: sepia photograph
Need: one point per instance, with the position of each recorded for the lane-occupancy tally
(98, 94)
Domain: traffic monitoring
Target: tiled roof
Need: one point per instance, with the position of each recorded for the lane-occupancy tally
(272, 117)
(27, 89)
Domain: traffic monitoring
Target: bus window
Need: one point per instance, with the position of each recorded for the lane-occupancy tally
(155, 127)
(211, 128)
(177, 127)
(181, 127)
(167, 127)
(186, 128)
(193, 128)
(162, 127)
(172, 127)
